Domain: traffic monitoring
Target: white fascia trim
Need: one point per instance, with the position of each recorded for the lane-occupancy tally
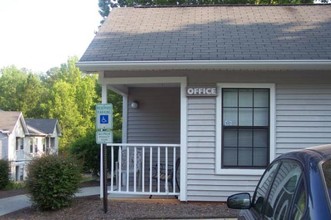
(94, 66)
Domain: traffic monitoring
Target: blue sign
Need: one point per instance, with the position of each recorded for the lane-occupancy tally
(104, 119)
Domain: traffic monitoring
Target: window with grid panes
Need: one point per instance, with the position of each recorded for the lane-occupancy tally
(245, 127)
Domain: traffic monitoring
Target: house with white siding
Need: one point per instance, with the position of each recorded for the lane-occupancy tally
(222, 89)
(22, 140)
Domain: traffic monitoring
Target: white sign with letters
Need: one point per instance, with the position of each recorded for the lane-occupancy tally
(104, 137)
(104, 116)
(201, 91)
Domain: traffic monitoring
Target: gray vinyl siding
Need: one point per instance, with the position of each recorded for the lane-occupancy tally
(202, 183)
(157, 120)
(303, 119)
(303, 116)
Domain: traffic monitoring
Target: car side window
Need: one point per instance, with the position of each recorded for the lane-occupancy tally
(283, 190)
(300, 202)
(263, 187)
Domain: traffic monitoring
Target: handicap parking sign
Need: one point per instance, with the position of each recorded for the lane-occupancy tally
(104, 119)
(104, 116)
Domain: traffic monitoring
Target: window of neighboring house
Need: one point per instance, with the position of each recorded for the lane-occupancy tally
(244, 127)
(22, 144)
(19, 173)
(44, 145)
(31, 145)
(19, 143)
(52, 142)
(17, 170)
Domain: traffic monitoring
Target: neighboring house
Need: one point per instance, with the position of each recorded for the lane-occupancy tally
(43, 136)
(12, 133)
(17, 138)
(230, 87)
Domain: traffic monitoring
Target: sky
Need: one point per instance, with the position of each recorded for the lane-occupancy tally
(41, 34)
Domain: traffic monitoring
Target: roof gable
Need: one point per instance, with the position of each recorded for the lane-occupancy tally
(9, 119)
(42, 126)
(214, 33)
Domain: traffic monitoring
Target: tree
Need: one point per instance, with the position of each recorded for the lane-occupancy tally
(105, 6)
(64, 93)
(21, 91)
(12, 82)
(72, 101)
(33, 97)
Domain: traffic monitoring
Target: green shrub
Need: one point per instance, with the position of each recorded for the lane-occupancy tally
(15, 185)
(52, 181)
(88, 152)
(4, 173)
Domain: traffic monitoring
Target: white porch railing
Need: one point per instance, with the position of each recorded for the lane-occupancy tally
(144, 169)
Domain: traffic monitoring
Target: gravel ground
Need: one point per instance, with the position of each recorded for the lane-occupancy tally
(92, 208)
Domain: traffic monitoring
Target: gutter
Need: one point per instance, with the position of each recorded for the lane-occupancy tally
(94, 66)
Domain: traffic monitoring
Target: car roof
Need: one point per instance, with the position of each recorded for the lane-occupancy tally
(316, 153)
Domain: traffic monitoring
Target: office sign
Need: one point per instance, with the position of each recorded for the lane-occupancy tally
(201, 91)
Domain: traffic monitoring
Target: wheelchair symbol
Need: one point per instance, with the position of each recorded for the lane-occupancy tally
(104, 119)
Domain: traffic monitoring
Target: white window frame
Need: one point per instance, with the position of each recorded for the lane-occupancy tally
(218, 160)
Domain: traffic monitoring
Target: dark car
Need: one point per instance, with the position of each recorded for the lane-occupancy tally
(296, 185)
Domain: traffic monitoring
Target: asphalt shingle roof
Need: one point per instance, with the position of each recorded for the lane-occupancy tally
(46, 126)
(8, 120)
(214, 33)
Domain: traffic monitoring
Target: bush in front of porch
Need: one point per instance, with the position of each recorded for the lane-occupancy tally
(52, 181)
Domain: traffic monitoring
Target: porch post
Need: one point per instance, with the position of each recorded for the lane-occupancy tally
(125, 119)
(183, 141)
(103, 101)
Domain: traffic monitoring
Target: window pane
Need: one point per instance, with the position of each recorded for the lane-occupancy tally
(245, 117)
(299, 205)
(245, 157)
(260, 195)
(283, 189)
(245, 123)
(261, 98)
(230, 97)
(245, 138)
(261, 138)
(260, 157)
(326, 168)
(246, 98)
(261, 117)
(230, 157)
(230, 138)
(230, 117)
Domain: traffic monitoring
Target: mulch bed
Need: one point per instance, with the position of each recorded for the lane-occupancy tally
(91, 207)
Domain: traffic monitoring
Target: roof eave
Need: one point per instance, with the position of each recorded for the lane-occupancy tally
(97, 66)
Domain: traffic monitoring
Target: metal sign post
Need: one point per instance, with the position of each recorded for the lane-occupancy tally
(104, 135)
(104, 165)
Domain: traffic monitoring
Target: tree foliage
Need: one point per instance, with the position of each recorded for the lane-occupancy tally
(105, 6)
(64, 93)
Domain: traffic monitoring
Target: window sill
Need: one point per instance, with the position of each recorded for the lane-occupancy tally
(245, 172)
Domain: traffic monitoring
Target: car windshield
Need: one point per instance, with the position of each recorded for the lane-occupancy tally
(326, 168)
